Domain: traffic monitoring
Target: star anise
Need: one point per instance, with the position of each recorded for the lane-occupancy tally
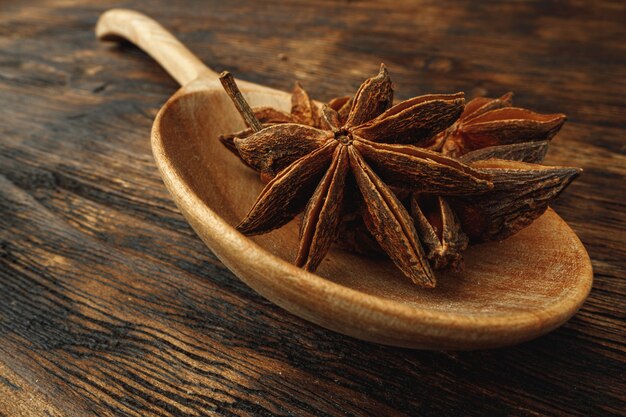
(311, 169)
(363, 140)
(488, 129)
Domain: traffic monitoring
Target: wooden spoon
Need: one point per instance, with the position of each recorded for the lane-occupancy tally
(508, 292)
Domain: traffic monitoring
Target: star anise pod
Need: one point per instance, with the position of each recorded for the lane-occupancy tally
(312, 167)
(492, 128)
(446, 220)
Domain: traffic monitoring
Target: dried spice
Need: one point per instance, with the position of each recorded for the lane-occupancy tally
(364, 157)
(492, 129)
(498, 130)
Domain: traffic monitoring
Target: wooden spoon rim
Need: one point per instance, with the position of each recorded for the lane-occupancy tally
(297, 284)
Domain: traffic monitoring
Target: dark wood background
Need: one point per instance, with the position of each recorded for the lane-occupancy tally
(110, 305)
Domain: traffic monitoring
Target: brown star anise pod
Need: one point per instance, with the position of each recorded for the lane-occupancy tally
(487, 129)
(361, 146)
(312, 167)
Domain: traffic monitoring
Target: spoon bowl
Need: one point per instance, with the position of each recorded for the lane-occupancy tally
(508, 291)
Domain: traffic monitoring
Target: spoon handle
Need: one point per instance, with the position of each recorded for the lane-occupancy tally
(156, 41)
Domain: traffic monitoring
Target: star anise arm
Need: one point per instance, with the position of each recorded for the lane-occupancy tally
(509, 125)
(421, 170)
(338, 102)
(373, 97)
(303, 110)
(228, 140)
(481, 105)
(533, 152)
(329, 119)
(275, 147)
(473, 108)
(439, 230)
(320, 224)
(287, 194)
(521, 193)
(272, 115)
(415, 120)
(388, 221)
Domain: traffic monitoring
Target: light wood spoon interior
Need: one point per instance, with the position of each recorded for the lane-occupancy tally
(508, 292)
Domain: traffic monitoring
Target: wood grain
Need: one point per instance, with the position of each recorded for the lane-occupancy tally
(109, 303)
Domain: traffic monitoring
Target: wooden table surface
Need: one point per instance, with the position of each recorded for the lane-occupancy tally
(109, 303)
